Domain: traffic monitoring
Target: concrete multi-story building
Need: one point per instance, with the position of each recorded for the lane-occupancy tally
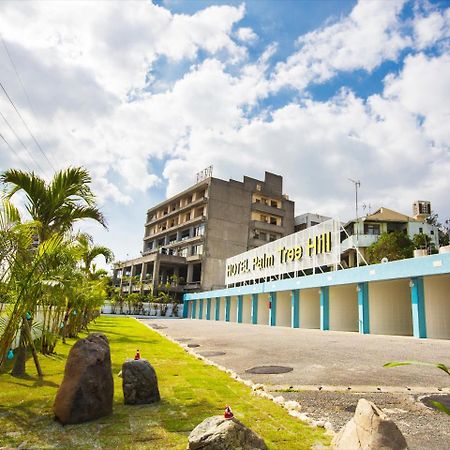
(189, 236)
(307, 220)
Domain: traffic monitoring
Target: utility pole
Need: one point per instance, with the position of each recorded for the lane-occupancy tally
(357, 184)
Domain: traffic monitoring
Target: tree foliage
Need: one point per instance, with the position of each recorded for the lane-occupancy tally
(393, 246)
(49, 286)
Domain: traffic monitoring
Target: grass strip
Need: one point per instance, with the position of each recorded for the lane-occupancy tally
(190, 391)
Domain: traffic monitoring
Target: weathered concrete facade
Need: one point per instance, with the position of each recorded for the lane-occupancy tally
(189, 236)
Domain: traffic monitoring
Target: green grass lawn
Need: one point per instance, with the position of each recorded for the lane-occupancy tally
(190, 392)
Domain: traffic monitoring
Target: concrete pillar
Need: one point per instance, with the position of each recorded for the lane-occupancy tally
(324, 308)
(363, 308)
(155, 279)
(194, 308)
(227, 308)
(185, 308)
(240, 305)
(295, 308)
(418, 307)
(273, 309)
(200, 309)
(208, 309)
(254, 309)
(217, 308)
(190, 273)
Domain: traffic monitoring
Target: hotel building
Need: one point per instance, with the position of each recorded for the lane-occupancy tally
(189, 236)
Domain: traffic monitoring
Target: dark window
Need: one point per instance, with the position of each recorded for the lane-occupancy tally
(273, 220)
(420, 230)
(371, 228)
(274, 203)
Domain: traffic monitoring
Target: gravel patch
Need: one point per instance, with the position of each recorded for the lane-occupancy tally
(422, 427)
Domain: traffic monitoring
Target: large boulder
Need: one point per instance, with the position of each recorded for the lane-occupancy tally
(369, 429)
(218, 433)
(139, 382)
(86, 392)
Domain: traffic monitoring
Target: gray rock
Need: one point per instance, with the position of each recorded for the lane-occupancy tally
(139, 382)
(218, 433)
(86, 392)
(369, 429)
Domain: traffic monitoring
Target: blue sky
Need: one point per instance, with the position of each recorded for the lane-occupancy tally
(146, 94)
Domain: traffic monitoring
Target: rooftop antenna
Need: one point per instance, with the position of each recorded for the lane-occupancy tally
(357, 184)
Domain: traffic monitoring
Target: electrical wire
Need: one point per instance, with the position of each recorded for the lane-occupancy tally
(20, 140)
(24, 90)
(12, 149)
(26, 126)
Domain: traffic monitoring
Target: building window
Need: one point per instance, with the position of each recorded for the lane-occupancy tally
(197, 249)
(274, 203)
(185, 234)
(183, 252)
(257, 200)
(371, 228)
(263, 236)
(200, 230)
(263, 218)
(258, 187)
(272, 237)
(420, 230)
(273, 220)
(264, 201)
(432, 232)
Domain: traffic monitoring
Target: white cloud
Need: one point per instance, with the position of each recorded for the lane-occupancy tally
(246, 34)
(370, 35)
(429, 29)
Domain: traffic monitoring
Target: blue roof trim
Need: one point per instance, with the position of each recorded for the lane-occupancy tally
(406, 268)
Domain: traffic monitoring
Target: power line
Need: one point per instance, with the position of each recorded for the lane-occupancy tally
(26, 126)
(20, 140)
(12, 149)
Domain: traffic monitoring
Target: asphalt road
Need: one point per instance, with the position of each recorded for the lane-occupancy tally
(318, 358)
(331, 371)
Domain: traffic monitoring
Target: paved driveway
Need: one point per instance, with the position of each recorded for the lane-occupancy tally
(318, 358)
(326, 364)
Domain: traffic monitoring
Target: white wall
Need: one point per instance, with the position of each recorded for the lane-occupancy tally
(263, 309)
(233, 309)
(246, 309)
(309, 308)
(344, 308)
(189, 309)
(283, 315)
(222, 309)
(390, 307)
(437, 306)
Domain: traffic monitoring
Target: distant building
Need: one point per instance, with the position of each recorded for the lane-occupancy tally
(189, 236)
(364, 231)
(307, 220)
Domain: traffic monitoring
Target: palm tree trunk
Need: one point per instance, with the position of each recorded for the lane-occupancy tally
(21, 355)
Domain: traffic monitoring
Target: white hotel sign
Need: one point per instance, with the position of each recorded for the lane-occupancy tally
(313, 247)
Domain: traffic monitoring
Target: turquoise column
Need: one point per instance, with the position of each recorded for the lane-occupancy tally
(418, 307)
(273, 309)
(218, 308)
(295, 308)
(254, 309)
(240, 305)
(194, 308)
(200, 309)
(227, 308)
(185, 309)
(324, 308)
(363, 308)
(208, 309)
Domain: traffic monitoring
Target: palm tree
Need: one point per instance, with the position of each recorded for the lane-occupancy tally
(89, 251)
(57, 205)
(54, 208)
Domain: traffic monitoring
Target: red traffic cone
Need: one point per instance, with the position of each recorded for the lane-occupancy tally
(228, 413)
(137, 356)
